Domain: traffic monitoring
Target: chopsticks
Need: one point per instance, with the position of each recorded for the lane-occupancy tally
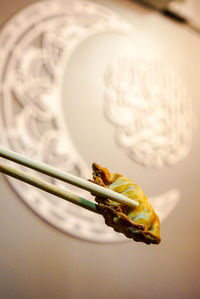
(61, 175)
(50, 188)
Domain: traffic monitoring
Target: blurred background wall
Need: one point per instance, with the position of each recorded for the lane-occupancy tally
(38, 261)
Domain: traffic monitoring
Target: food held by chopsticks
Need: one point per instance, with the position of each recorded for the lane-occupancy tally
(139, 223)
(121, 202)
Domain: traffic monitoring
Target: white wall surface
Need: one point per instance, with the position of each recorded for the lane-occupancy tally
(37, 261)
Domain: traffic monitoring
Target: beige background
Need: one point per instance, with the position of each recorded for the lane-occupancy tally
(37, 261)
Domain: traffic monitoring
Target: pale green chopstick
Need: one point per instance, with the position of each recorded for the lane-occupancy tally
(61, 175)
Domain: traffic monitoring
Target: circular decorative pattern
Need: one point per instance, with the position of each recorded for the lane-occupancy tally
(149, 108)
(35, 46)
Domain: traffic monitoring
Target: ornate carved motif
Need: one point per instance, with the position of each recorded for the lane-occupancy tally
(35, 45)
(149, 108)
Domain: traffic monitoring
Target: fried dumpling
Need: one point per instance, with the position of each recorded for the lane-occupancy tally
(140, 223)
